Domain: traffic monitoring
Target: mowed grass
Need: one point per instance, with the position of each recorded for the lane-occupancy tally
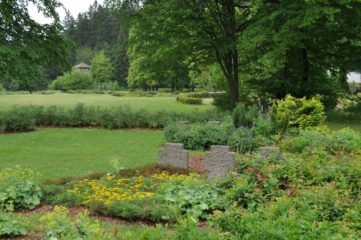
(57, 153)
(338, 126)
(151, 104)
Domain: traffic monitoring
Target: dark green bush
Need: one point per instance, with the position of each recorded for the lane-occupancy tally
(74, 80)
(223, 102)
(17, 119)
(245, 116)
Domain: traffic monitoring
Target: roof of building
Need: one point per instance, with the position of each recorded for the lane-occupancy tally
(82, 65)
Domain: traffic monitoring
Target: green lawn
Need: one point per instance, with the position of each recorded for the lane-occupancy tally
(57, 153)
(338, 126)
(68, 100)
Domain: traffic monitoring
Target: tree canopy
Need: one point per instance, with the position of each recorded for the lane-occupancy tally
(27, 46)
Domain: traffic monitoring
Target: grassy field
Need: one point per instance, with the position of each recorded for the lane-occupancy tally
(68, 100)
(338, 126)
(57, 153)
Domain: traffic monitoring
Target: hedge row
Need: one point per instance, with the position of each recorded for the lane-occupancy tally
(183, 98)
(24, 118)
(192, 97)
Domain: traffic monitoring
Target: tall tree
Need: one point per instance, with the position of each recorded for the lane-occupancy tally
(101, 68)
(25, 45)
(207, 31)
(301, 48)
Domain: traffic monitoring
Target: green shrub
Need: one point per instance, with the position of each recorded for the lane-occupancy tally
(18, 189)
(203, 94)
(263, 127)
(59, 225)
(17, 119)
(192, 197)
(26, 117)
(74, 80)
(243, 140)
(10, 227)
(312, 140)
(199, 136)
(298, 112)
(345, 140)
(243, 116)
(223, 102)
(184, 98)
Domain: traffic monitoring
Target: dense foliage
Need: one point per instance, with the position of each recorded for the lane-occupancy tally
(298, 112)
(10, 227)
(74, 80)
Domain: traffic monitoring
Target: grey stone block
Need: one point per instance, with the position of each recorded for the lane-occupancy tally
(219, 161)
(173, 154)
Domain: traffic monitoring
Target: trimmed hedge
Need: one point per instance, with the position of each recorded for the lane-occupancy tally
(23, 118)
(183, 98)
(192, 97)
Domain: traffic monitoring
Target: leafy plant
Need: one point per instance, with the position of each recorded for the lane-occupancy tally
(59, 225)
(243, 140)
(72, 81)
(192, 197)
(18, 189)
(10, 227)
(298, 112)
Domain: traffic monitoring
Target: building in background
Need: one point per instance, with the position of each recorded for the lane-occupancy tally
(82, 67)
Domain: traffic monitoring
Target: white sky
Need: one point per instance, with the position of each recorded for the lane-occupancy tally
(74, 6)
(354, 77)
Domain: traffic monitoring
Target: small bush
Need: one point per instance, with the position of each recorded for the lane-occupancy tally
(10, 227)
(298, 113)
(263, 127)
(74, 80)
(243, 140)
(243, 116)
(223, 102)
(17, 119)
(345, 140)
(18, 189)
(59, 225)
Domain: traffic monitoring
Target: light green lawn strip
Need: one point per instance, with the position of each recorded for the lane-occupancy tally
(57, 153)
(338, 126)
(151, 104)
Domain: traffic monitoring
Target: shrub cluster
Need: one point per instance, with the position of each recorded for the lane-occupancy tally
(17, 119)
(312, 140)
(23, 118)
(74, 80)
(18, 189)
(298, 112)
(202, 135)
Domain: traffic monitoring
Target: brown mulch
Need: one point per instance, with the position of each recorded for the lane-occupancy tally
(196, 164)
